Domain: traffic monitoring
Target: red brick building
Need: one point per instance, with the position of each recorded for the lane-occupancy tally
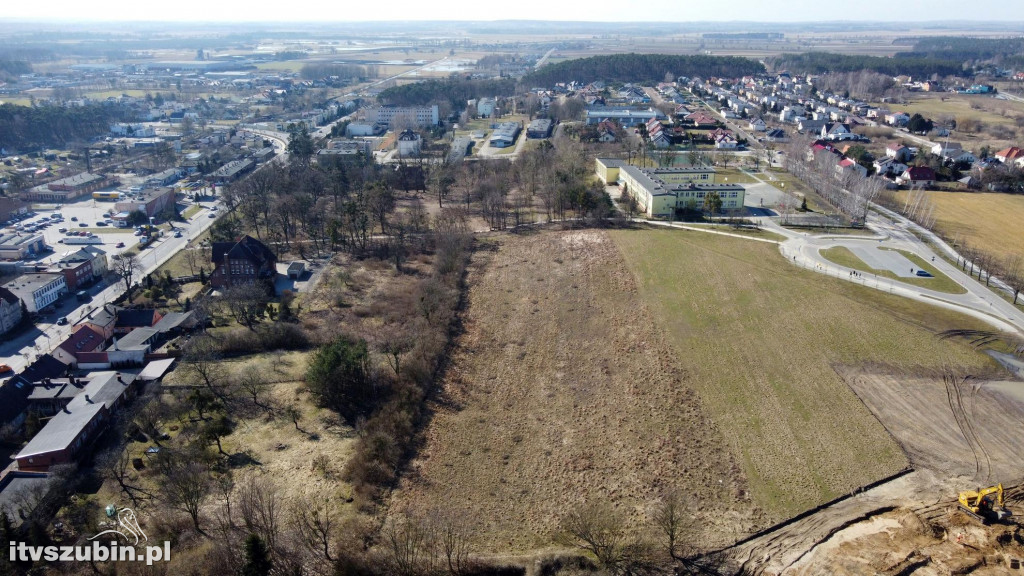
(242, 262)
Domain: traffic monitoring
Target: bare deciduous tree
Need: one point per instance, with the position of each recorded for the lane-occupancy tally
(127, 266)
(315, 525)
(260, 507)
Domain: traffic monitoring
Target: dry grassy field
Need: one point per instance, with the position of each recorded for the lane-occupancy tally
(759, 340)
(563, 392)
(985, 220)
(611, 366)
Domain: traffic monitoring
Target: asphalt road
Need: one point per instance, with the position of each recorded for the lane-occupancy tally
(22, 350)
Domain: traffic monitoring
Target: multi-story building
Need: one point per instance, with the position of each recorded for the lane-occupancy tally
(10, 310)
(38, 290)
(76, 274)
(242, 262)
(95, 256)
(661, 192)
(416, 115)
(150, 202)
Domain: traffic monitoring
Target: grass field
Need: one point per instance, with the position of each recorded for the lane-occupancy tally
(939, 282)
(985, 220)
(191, 211)
(802, 436)
(562, 392)
(732, 176)
(612, 366)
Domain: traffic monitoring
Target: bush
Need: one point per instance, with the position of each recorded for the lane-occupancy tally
(339, 378)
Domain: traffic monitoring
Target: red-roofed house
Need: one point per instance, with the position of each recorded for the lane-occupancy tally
(917, 177)
(84, 339)
(1009, 155)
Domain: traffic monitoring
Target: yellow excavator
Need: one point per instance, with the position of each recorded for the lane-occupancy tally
(985, 505)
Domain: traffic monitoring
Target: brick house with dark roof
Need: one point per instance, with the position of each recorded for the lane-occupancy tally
(84, 339)
(130, 319)
(241, 262)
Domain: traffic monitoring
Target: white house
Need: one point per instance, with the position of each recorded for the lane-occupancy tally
(10, 310)
(889, 166)
(758, 125)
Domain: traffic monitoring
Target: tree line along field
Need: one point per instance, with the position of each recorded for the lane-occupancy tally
(984, 220)
(617, 366)
(761, 341)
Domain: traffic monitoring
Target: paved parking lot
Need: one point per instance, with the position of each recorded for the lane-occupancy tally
(890, 260)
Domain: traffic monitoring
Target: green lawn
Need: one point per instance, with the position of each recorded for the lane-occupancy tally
(759, 341)
(939, 282)
(191, 211)
(751, 232)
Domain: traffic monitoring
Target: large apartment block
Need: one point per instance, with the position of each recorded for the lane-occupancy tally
(418, 115)
(662, 191)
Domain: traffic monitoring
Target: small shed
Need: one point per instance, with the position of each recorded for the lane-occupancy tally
(296, 270)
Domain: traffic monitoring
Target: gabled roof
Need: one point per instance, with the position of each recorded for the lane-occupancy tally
(919, 173)
(248, 248)
(142, 318)
(896, 146)
(1011, 153)
(85, 339)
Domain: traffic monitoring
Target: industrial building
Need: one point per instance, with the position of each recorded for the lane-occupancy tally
(505, 134)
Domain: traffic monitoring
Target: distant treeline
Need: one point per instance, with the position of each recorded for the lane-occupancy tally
(962, 50)
(823, 62)
(14, 67)
(455, 91)
(325, 70)
(29, 128)
(642, 68)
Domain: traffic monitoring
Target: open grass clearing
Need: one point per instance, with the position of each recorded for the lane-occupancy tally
(939, 282)
(561, 392)
(733, 176)
(751, 232)
(984, 220)
(802, 436)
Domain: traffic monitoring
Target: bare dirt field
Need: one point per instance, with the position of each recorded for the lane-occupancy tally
(951, 426)
(563, 392)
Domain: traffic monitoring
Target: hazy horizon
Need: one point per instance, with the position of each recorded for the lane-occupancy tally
(649, 11)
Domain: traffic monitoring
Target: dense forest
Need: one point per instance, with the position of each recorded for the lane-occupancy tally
(967, 50)
(823, 62)
(455, 91)
(28, 128)
(645, 68)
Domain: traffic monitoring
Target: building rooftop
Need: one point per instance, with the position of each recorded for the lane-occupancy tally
(103, 389)
(134, 340)
(77, 180)
(17, 239)
(27, 283)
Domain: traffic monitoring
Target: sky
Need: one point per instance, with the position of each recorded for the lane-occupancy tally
(575, 10)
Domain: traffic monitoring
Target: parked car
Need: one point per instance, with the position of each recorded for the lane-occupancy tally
(82, 224)
(101, 223)
(177, 233)
(62, 321)
(924, 273)
(62, 230)
(74, 218)
(4, 368)
(119, 245)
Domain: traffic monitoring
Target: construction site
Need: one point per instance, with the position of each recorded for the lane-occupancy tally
(956, 509)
